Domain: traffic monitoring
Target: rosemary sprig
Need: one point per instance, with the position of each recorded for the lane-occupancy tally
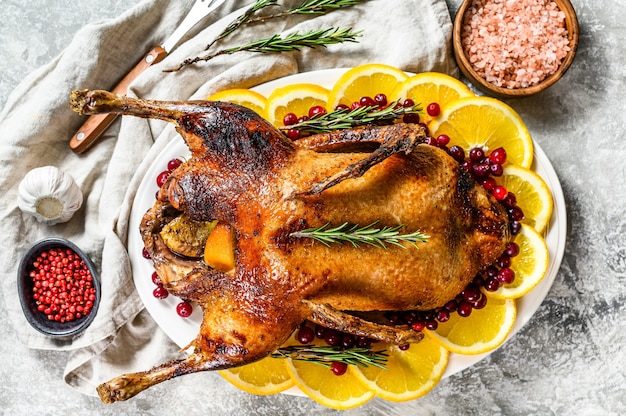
(346, 118)
(326, 355)
(306, 7)
(356, 235)
(276, 43)
(244, 18)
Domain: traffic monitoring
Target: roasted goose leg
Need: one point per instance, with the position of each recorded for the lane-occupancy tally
(245, 173)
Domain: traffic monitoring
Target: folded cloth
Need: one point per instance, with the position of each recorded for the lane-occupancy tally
(36, 123)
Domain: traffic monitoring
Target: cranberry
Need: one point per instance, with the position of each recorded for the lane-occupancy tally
(347, 340)
(431, 141)
(496, 169)
(516, 214)
(464, 309)
(367, 102)
(443, 315)
(512, 249)
(506, 275)
(381, 100)
(476, 154)
(316, 111)
(433, 109)
(145, 253)
(418, 326)
(342, 107)
(293, 134)
(457, 153)
(471, 293)
(481, 170)
(443, 140)
(504, 261)
(412, 118)
(162, 177)
(160, 292)
(332, 337)
(499, 192)
(156, 279)
(338, 368)
(424, 126)
(515, 227)
(467, 165)
(451, 305)
(510, 200)
(303, 119)
(305, 335)
(320, 331)
(355, 105)
(173, 164)
(290, 119)
(480, 303)
(184, 309)
(491, 284)
(404, 347)
(431, 324)
(488, 183)
(498, 156)
(363, 342)
(408, 103)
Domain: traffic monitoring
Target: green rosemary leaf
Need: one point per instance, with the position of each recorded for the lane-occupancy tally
(346, 118)
(326, 355)
(356, 235)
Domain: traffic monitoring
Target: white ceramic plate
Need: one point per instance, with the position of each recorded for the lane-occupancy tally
(183, 330)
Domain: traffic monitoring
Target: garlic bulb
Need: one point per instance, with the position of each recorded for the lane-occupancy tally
(49, 194)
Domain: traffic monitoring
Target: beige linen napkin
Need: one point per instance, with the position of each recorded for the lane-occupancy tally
(36, 123)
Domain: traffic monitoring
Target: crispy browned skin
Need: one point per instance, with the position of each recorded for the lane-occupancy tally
(246, 173)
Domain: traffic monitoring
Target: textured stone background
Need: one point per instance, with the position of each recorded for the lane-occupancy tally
(568, 360)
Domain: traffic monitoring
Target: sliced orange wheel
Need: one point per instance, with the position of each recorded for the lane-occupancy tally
(320, 384)
(530, 265)
(430, 87)
(264, 377)
(246, 98)
(364, 81)
(532, 194)
(295, 98)
(409, 374)
(482, 331)
(488, 123)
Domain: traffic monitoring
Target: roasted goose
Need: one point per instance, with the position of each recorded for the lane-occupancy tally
(247, 174)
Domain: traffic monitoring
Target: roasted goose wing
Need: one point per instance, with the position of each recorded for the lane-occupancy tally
(245, 173)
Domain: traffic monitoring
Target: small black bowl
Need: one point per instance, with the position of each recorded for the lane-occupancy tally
(39, 320)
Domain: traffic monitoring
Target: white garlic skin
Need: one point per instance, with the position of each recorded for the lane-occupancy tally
(49, 194)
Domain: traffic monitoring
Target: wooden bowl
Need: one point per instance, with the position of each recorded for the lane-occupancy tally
(571, 22)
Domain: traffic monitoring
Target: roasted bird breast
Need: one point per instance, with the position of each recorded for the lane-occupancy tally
(245, 173)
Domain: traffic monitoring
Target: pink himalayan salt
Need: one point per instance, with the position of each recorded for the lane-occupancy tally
(514, 43)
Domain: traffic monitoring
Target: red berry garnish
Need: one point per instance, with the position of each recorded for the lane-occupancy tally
(512, 249)
(499, 192)
(515, 227)
(516, 214)
(464, 309)
(160, 292)
(433, 109)
(489, 183)
(408, 103)
(289, 119)
(381, 100)
(480, 303)
(347, 340)
(367, 102)
(173, 164)
(145, 254)
(477, 154)
(412, 118)
(162, 177)
(293, 134)
(506, 275)
(491, 284)
(496, 169)
(443, 140)
(443, 315)
(316, 111)
(341, 107)
(156, 279)
(498, 156)
(305, 335)
(457, 153)
(431, 324)
(338, 368)
(184, 309)
(471, 293)
(418, 326)
(480, 170)
(332, 337)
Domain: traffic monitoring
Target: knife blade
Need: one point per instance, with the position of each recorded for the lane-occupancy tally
(95, 125)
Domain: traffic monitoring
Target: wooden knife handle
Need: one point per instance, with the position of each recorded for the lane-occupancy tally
(97, 124)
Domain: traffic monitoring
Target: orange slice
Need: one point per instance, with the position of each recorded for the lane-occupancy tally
(409, 374)
(295, 98)
(246, 98)
(430, 87)
(364, 81)
(483, 330)
(264, 377)
(488, 123)
(530, 265)
(532, 194)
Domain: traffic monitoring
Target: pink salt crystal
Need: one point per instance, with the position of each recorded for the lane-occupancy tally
(514, 43)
